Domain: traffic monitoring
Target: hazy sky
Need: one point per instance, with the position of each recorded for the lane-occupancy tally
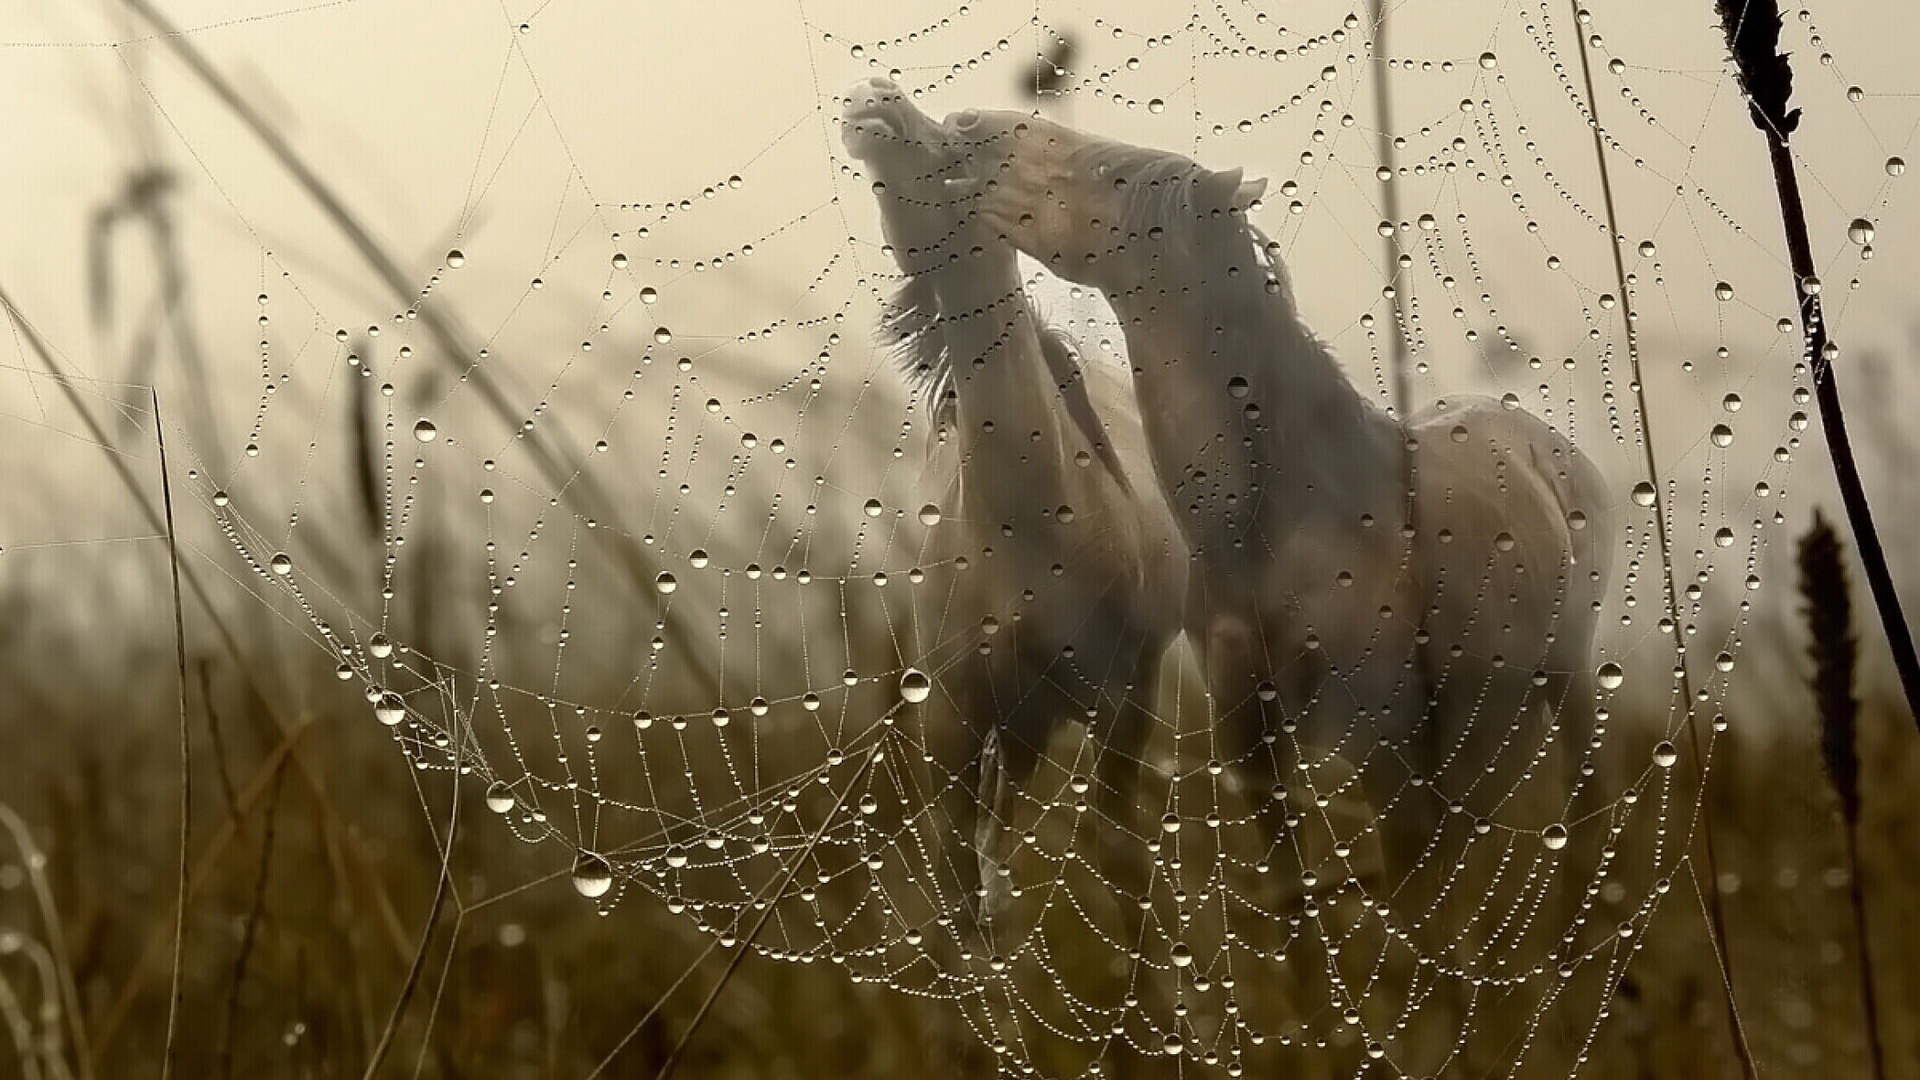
(523, 133)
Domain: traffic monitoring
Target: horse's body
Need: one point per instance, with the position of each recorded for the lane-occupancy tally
(1081, 574)
(1435, 640)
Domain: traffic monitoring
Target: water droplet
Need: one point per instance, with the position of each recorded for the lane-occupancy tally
(1503, 542)
(1665, 754)
(1647, 249)
(499, 797)
(1896, 165)
(698, 558)
(1860, 231)
(664, 583)
(389, 709)
(1722, 435)
(379, 646)
(1489, 61)
(915, 687)
(592, 875)
(1156, 106)
(1854, 93)
(1723, 290)
(1731, 403)
(1170, 823)
(456, 258)
(929, 515)
(1181, 955)
(873, 508)
(281, 563)
(1459, 433)
(1428, 222)
(1723, 537)
(1810, 285)
(1723, 663)
(1237, 387)
(1576, 520)
(424, 431)
(1172, 1045)
(1643, 493)
(1554, 836)
(1610, 675)
(619, 260)
(662, 335)
(649, 295)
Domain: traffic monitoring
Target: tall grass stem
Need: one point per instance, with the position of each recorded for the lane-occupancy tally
(1716, 906)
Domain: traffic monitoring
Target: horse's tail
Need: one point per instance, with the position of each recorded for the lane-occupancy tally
(1585, 506)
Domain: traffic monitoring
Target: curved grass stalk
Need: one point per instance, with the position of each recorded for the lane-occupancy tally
(1716, 907)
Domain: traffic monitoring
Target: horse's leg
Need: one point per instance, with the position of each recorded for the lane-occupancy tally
(1249, 738)
(1007, 759)
(1121, 848)
(956, 1048)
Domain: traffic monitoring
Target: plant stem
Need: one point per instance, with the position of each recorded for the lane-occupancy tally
(1833, 423)
(746, 944)
(1716, 907)
(186, 746)
(1856, 892)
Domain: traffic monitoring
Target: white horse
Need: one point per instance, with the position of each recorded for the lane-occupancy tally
(1076, 577)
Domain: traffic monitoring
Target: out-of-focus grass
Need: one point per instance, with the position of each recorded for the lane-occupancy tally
(531, 982)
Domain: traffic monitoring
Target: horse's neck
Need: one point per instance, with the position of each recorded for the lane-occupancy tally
(1003, 395)
(1315, 447)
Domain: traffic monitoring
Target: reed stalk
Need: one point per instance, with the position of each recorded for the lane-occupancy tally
(1834, 652)
(1716, 906)
(1752, 30)
(175, 998)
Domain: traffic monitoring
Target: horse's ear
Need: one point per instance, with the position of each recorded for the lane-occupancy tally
(1228, 190)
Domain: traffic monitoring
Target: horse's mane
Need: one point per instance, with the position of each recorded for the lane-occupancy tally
(913, 321)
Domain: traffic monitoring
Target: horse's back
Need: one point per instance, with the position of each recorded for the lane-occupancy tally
(1510, 510)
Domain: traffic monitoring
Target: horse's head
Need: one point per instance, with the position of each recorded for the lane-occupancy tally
(1096, 211)
(911, 157)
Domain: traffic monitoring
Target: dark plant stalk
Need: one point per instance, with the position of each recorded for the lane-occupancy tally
(255, 911)
(1752, 29)
(186, 746)
(1716, 907)
(1829, 614)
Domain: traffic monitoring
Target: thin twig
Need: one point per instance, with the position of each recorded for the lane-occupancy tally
(746, 944)
(186, 747)
(255, 910)
(440, 890)
(548, 446)
(214, 736)
(1716, 907)
(1752, 30)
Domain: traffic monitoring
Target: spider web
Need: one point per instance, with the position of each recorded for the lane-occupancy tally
(668, 558)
